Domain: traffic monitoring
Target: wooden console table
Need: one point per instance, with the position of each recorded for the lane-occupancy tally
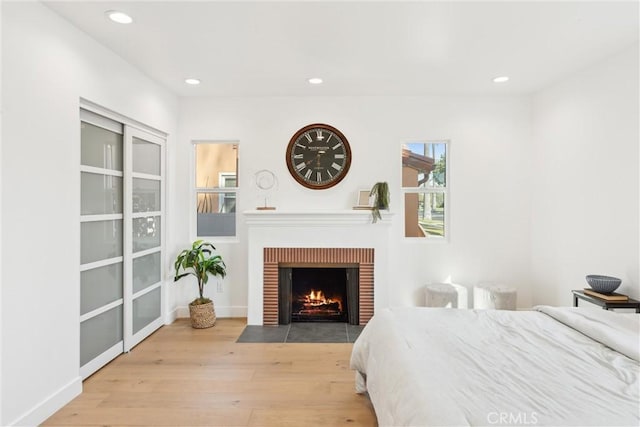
(606, 305)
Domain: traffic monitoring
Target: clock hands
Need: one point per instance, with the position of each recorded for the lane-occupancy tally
(317, 167)
(316, 158)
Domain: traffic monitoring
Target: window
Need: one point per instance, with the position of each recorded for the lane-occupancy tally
(425, 187)
(216, 188)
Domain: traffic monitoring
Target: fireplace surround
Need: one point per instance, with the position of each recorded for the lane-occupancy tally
(272, 233)
(275, 258)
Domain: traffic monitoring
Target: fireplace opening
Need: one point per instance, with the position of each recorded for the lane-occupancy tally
(318, 294)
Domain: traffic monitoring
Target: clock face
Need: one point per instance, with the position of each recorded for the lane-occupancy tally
(318, 156)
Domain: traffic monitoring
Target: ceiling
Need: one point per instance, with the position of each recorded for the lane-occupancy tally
(263, 48)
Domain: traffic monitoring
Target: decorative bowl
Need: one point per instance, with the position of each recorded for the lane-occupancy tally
(603, 284)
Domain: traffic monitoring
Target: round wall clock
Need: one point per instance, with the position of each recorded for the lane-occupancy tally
(318, 156)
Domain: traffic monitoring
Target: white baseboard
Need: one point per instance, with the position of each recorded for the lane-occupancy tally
(221, 311)
(50, 405)
(237, 311)
(171, 317)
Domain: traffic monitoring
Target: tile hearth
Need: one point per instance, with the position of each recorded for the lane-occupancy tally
(314, 332)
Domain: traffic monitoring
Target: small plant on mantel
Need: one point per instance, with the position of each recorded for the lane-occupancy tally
(380, 193)
(200, 261)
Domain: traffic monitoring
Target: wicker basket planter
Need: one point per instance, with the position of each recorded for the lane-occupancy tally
(202, 315)
(201, 262)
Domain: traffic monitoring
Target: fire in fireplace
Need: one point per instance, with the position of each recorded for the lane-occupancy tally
(310, 294)
(318, 294)
(317, 303)
(315, 306)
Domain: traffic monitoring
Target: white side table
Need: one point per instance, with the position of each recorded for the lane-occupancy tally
(446, 295)
(498, 297)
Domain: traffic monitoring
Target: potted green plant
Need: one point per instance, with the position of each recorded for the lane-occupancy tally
(380, 193)
(200, 261)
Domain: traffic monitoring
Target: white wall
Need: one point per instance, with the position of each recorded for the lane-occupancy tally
(585, 180)
(1, 237)
(47, 66)
(490, 144)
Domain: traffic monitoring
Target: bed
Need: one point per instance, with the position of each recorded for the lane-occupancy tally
(549, 366)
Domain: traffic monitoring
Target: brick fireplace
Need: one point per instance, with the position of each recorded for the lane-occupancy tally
(363, 258)
(291, 240)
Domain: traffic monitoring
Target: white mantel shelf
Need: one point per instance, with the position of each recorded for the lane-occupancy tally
(317, 218)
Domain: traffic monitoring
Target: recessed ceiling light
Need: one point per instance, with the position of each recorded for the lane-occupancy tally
(501, 79)
(119, 17)
(315, 80)
(192, 81)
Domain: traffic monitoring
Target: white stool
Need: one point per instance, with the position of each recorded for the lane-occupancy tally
(446, 295)
(492, 296)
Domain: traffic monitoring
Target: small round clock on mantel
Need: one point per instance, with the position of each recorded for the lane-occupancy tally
(318, 156)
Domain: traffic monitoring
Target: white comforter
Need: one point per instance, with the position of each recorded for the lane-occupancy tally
(448, 367)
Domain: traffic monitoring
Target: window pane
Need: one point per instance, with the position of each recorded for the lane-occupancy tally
(146, 271)
(216, 165)
(424, 164)
(424, 214)
(100, 148)
(100, 194)
(100, 240)
(217, 202)
(146, 309)
(216, 214)
(146, 195)
(99, 334)
(146, 157)
(146, 233)
(100, 286)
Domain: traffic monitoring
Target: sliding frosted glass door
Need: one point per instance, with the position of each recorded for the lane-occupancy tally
(145, 193)
(101, 242)
(122, 238)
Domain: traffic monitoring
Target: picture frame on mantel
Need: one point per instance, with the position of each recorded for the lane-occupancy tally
(364, 200)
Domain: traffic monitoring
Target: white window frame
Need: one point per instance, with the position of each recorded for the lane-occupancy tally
(430, 190)
(195, 190)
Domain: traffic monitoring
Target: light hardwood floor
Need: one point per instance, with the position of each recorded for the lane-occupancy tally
(189, 377)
